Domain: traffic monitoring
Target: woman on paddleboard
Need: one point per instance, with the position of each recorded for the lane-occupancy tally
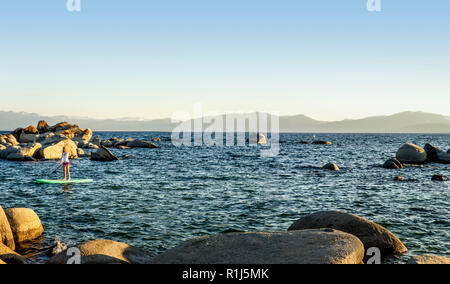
(65, 164)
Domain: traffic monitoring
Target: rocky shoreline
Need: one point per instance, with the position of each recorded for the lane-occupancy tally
(44, 142)
(325, 237)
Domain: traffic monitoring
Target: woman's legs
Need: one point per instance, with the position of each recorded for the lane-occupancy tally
(68, 171)
(65, 171)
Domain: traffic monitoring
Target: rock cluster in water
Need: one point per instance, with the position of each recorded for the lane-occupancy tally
(44, 142)
(412, 155)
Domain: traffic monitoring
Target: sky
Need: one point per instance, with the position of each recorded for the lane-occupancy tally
(327, 59)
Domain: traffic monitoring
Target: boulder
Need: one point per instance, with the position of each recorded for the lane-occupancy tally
(122, 142)
(96, 141)
(104, 155)
(106, 252)
(16, 153)
(9, 256)
(8, 139)
(84, 135)
(305, 142)
(370, 233)
(6, 235)
(331, 167)
(25, 224)
(87, 145)
(54, 152)
(140, 144)
(62, 126)
(28, 137)
(80, 152)
(429, 259)
(112, 142)
(2, 147)
(393, 164)
(156, 139)
(42, 126)
(31, 130)
(31, 149)
(2, 262)
(8, 151)
(16, 133)
(436, 155)
(20, 157)
(49, 138)
(323, 246)
(411, 154)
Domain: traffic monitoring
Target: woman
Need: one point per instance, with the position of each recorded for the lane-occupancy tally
(65, 164)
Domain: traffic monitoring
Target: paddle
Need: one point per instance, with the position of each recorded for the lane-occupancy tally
(54, 172)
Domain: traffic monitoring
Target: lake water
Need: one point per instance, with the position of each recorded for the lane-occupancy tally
(165, 196)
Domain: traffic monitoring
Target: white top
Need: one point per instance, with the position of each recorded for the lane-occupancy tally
(65, 158)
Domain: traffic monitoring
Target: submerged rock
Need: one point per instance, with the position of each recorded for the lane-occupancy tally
(331, 167)
(439, 178)
(411, 154)
(320, 142)
(370, 233)
(25, 224)
(106, 252)
(295, 247)
(399, 178)
(393, 164)
(429, 259)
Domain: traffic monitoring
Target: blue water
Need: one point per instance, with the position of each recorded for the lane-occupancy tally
(167, 195)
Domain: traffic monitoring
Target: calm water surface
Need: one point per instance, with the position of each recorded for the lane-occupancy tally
(165, 196)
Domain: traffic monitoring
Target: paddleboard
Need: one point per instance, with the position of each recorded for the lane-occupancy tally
(56, 181)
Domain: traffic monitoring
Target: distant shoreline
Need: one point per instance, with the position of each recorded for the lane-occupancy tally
(400, 123)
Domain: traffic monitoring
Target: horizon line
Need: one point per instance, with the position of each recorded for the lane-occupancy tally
(142, 119)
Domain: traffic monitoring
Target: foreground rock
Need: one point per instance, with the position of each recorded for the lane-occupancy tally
(6, 235)
(411, 154)
(25, 224)
(296, 247)
(331, 167)
(103, 155)
(106, 252)
(436, 155)
(429, 259)
(370, 233)
(9, 256)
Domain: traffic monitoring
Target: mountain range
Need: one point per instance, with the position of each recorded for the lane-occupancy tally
(404, 122)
